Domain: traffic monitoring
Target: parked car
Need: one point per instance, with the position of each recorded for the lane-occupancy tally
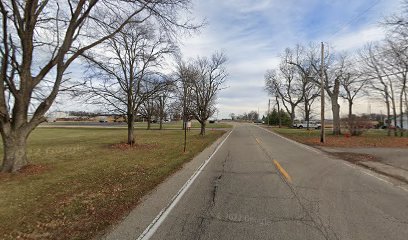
(303, 124)
(103, 120)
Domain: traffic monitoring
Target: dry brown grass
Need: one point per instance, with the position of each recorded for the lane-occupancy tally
(81, 181)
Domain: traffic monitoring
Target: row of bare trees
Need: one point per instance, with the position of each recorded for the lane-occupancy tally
(379, 71)
(198, 83)
(123, 43)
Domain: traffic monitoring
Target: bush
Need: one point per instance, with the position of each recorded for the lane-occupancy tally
(274, 118)
(357, 125)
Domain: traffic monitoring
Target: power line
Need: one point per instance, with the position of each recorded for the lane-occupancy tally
(381, 76)
(358, 16)
(378, 53)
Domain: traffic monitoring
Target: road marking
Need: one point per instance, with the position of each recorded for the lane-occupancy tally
(403, 188)
(258, 141)
(372, 175)
(159, 219)
(282, 170)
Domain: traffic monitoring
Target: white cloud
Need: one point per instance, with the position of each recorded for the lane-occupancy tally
(355, 40)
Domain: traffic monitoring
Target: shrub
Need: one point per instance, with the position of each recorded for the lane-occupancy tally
(357, 125)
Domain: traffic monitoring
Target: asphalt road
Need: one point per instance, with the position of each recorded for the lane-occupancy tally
(261, 186)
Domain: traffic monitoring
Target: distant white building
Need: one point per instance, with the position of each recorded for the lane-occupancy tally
(51, 117)
(404, 119)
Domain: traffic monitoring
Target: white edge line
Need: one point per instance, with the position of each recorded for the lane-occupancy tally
(372, 175)
(158, 220)
(347, 164)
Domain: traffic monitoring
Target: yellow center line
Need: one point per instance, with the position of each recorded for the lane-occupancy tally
(258, 141)
(283, 172)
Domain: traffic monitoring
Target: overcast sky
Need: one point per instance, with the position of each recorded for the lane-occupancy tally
(253, 34)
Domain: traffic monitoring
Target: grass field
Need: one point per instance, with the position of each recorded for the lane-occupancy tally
(82, 181)
(179, 124)
(143, 125)
(371, 138)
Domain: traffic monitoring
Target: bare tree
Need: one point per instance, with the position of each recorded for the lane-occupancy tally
(352, 82)
(41, 39)
(286, 82)
(398, 66)
(147, 110)
(185, 75)
(333, 73)
(253, 116)
(127, 74)
(374, 68)
(162, 103)
(209, 81)
(396, 46)
(298, 58)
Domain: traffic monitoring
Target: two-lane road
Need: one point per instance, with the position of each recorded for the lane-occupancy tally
(261, 186)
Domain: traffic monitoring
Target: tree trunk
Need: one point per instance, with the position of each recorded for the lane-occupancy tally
(394, 109)
(350, 109)
(406, 103)
(279, 113)
(307, 113)
(350, 118)
(202, 132)
(402, 113)
(161, 123)
(149, 123)
(336, 115)
(161, 111)
(292, 116)
(131, 121)
(387, 103)
(15, 152)
(394, 113)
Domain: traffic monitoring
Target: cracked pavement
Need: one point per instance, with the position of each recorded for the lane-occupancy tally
(242, 195)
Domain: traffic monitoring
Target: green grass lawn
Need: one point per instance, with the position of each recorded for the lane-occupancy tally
(82, 181)
(370, 138)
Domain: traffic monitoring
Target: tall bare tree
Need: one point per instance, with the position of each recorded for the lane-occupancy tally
(396, 46)
(397, 66)
(333, 73)
(374, 68)
(298, 57)
(352, 82)
(287, 83)
(211, 76)
(127, 74)
(185, 75)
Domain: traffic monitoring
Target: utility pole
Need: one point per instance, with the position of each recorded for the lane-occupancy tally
(322, 135)
(269, 106)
